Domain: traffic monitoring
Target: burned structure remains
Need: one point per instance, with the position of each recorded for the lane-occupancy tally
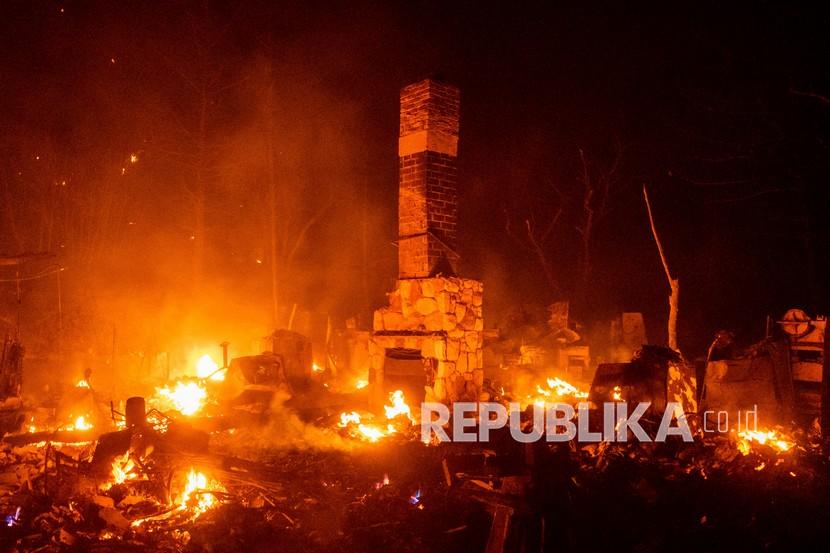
(429, 339)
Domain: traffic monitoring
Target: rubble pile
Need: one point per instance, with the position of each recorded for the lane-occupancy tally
(402, 495)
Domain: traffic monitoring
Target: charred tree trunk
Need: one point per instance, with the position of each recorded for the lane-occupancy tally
(674, 284)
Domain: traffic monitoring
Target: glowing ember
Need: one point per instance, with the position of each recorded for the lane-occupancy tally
(382, 483)
(398, 407)
(196, 495)
(206, 367)
(769, 437)
(359, 429)
(187, 397)
(349, 418)
(375, 433)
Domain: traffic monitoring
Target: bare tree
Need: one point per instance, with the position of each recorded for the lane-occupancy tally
(291, 214)
(188, 134)
(674, 284)
(595, 188)
(535, 239)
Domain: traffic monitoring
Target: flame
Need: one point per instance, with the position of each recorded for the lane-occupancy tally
(201, 502)
(360, 384)
(122, 470)
(82, 383)
(763, 437)
(187, 397)
(398, 407)
(317, 368)
(616, 393)
(564, 389)
(80, 424)
(206, 367)
(555, 387)
(375, 433)
(382, 483)
(349, 418)
(360, 429)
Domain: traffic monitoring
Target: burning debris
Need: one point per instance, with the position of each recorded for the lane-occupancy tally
(398, 418)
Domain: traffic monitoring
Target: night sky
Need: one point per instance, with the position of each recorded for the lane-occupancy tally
(722, 111)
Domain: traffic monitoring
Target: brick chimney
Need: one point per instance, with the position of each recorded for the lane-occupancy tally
(428, 177)
(429, 340)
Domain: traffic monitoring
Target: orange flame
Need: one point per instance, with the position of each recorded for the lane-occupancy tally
(200, 502)
(122, 470)
(187, 397)
(80, 424)
(556, 389)
(360, 429)
(772, 438)
(398, 407)
(206, 367)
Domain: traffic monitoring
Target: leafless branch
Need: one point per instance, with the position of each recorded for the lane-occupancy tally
(809, 94)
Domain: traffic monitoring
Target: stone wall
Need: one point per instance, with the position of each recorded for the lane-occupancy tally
(442, 317)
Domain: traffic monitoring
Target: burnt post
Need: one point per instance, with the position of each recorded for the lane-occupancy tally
(134, 412)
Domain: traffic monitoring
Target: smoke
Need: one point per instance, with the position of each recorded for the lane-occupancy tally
(284, 429)
(180, 227)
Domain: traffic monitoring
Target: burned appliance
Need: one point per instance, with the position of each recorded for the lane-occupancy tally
(656, 375)
(782, 375)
